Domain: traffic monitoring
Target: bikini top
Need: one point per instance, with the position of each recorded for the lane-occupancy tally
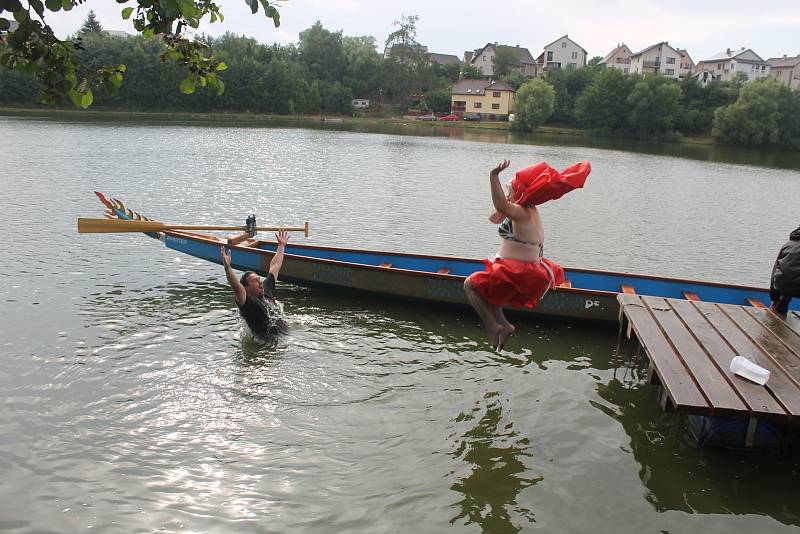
(506, 231)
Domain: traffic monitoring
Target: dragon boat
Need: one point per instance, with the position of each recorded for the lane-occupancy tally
(585, 295)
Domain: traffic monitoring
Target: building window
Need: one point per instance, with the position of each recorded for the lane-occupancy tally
(478, 105)
(572, 65)
(669, 72)
(670, 61)
(496, 94)
(625, 70)
(719, 66)
(574, 55)
(550, 55)
(495, 106)
(563, 44)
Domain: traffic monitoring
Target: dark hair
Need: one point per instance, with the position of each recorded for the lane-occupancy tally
(244, 279)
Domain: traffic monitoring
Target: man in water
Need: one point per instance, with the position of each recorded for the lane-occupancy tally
(785, 281)
(255, 297)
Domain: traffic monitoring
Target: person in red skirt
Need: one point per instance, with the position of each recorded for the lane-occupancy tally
(518, 275)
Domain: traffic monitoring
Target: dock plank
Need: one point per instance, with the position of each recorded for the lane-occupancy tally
(779, 385)
(718, 391)
(758, 400)
(778, 349)
(678, 384)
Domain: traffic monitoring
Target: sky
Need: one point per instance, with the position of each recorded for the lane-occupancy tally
(703, 27)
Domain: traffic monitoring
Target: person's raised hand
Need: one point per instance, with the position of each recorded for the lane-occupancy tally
(226, 256)
(500, 167)
(282, 237)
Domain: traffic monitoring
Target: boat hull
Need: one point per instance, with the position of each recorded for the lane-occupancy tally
(400, 283)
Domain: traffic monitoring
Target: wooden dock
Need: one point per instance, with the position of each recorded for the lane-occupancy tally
(690, 344)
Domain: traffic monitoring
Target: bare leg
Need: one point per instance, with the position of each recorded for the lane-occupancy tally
(506, 328)
(485, 311)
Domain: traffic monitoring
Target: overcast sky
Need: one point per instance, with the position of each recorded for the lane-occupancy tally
(703, 27)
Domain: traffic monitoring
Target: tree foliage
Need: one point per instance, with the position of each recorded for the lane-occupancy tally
(504, 61)
(767, 113)
(471, 72)
(34, 49)
(91, 24)
(260, 78)
(533, 105)
(602, 104)
(653, 106)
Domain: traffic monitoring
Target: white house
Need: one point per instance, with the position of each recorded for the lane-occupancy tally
(563, 53)
(619, 58)
(360, 103)
(483, 58)
(726, 65)
(687, 64)
(659, 58)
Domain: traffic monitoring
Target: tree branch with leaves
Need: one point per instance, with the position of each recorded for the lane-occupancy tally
(34, 49)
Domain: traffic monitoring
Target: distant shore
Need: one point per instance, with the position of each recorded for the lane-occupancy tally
(264, 118)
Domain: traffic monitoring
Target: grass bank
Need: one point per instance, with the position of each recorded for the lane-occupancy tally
(266, 119)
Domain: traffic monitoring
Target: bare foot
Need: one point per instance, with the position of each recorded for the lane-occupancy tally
(501, 336)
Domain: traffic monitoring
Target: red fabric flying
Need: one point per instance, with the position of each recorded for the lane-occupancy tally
(539, 183)
(514, 282)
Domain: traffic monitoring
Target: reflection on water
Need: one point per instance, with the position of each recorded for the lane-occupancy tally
(680, 477)
(497, 457)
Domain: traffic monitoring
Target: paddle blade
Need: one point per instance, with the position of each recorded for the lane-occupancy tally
(108, 226)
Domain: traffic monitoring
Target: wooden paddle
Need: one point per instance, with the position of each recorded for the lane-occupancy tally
(107, 226)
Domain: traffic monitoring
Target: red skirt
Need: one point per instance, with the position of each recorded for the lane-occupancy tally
(515, 282)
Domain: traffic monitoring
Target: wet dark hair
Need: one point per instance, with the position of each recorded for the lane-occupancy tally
(244, 279)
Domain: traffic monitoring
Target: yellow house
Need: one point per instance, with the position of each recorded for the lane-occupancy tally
(493, 100)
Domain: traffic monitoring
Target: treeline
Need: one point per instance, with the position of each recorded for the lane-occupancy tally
(760, 113)
(326, 70)
(321, 74)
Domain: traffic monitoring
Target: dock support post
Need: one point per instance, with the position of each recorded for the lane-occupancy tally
(750, 437)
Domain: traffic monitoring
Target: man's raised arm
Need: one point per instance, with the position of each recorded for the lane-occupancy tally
(237, 287)
(277, 260)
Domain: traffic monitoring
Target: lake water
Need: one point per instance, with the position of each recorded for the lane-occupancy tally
(133, 403)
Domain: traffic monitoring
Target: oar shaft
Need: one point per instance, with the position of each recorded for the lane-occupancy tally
(93, 226)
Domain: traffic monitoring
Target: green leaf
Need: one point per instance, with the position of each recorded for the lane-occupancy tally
(213, 17)
(66, 5)
(187, 85)
(220, 87)
(203, 81)
(10, 5)
(87, 98)
(4, 24)
(37, 6)
(148, 32)
(126, 13)
(75, 96)
(121, 67)
(253, 5)
(193, 22)
(221, 66)
(53, 5)
(21, 16)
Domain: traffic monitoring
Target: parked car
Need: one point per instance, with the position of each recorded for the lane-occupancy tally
(472, 116)
(427, 117)
(449, 118)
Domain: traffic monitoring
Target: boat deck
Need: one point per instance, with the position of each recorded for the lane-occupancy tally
(690, 344)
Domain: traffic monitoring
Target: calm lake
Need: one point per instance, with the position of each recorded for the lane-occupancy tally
(132, 402)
